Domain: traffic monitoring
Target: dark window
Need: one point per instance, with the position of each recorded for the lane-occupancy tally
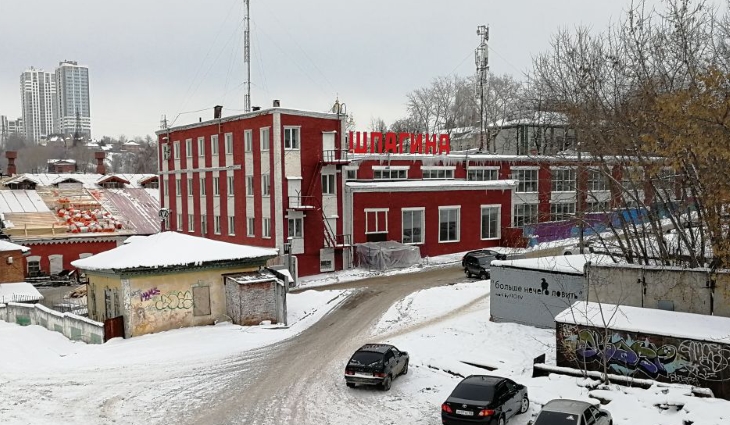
(366, 358)
(473, 392)
(556, 418)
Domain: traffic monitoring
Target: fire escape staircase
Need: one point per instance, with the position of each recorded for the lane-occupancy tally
(311, 202)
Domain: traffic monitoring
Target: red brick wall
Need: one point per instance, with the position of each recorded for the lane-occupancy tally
(11, 273)
(70, 252)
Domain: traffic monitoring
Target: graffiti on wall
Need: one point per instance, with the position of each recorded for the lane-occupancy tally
(669, 359)
(148, 294)
(175, 300)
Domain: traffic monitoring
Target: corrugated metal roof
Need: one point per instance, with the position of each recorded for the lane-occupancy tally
(21, 201)
(135, 208)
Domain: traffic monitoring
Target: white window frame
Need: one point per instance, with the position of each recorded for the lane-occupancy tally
(248, 141)
(178, 188)
(231, 225)
(251, 227)
(329, 184)
(203, 224)
(448, 208)
(265, 185)
(265, 141)
(524, 207)
(563, 179)
(191, 223)
(249, 185)
(266, 228)
(230, 181)
(422, 226)
(480, 173)
(228, 143)
(190, 186)
(202, 186)
(188, 148)
(295, 227)
(379, 227)
(497, 231)
(217, 224)
(214, 144)
(598, 206)
(291, 143)
(350, 173)
(216, 186)
(438, 173)
(201, 146)
(176, 149)
(179, 222)
(521, 174)
(561, 211)
(390, 173)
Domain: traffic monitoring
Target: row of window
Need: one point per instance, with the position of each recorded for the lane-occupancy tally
(449, 230)
(328, 185)
(295, 225)
(524, 214)
(291, 142)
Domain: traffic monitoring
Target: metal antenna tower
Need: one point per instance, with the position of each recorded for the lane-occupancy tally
(247, 56)
(481, 59)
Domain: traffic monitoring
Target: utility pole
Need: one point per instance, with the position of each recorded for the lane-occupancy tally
(481, 59)
(247, 57)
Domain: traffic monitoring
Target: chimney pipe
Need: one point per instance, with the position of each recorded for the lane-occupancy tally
(217, 111)
(277, 103)
(11, 155)
(255, 108)
(100, 168)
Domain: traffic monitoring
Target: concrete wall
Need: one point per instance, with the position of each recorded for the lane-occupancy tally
(532, 297)
(645, 356)
(672, 288)
(253, 303)
(74, 327)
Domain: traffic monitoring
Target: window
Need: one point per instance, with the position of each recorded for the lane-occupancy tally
(176, 150)
(527, 180)
(482, 174)
(232, 226)
(178, 190)
(34, 267)
(202, 186)
(291, 138)
(437, 173)
(266, 231)
(390, 173)
(525, 214)
(201, 146)
(265, 185)
(191, 223)
(632, 178)
(665, 183)
(449, 224)
(265, 142)
(188, 148)
(376, 220)
(217, 224)
(214, 144)
(204, 224)
(490, 221)
(597, 180)
(229, 143)
(216, 186)
(295, 227)
(179, 222)
(249, 185)
(190, 186)
(328, 184)
(248, 141)
(413, 226)
(562, 211)
(250, 229)
(351, 174)
(562, 180)
(230, 185)
(597, 206)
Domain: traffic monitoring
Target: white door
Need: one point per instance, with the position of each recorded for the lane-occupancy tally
(56, 261)
(328, 146)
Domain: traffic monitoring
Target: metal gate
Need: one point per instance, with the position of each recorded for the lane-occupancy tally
(113, 328)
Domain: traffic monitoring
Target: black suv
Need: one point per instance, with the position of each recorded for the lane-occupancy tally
(477, 263)
(482, 399)
(376, 364)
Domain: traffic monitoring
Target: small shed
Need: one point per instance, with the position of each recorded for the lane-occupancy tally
(253, 298)
(646, 343)
(19, 292)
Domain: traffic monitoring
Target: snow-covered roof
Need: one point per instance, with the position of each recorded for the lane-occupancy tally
(21, 201)
(88, 180)
(170, 249)
(131, 143)
(18, 292)
(568, 264)
(68, 161)
(428, 185)
(9, 246)
(648, 321)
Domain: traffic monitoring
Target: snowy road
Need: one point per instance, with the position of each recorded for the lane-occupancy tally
(301, 380)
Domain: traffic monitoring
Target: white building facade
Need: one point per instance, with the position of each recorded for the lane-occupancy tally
(74, 108)
(39, 103)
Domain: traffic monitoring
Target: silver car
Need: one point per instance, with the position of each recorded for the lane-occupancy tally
(572, 412)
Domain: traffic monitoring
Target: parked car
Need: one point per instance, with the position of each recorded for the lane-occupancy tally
(376, 364)
(483, 399)
(478, 263)
(588, 247)
(572, 412)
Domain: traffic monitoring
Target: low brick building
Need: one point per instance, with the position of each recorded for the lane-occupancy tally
(11, 262)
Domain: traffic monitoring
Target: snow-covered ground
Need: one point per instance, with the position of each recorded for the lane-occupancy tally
(445, 329)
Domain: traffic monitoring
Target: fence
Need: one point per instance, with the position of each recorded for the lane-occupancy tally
(74, 327)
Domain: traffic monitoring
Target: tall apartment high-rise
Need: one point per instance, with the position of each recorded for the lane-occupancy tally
(8, 128)
(74, 109)
(39, 103)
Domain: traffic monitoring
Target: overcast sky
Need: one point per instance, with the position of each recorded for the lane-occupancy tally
(149, 58)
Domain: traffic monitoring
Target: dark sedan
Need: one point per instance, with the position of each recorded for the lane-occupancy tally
(482, 399)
